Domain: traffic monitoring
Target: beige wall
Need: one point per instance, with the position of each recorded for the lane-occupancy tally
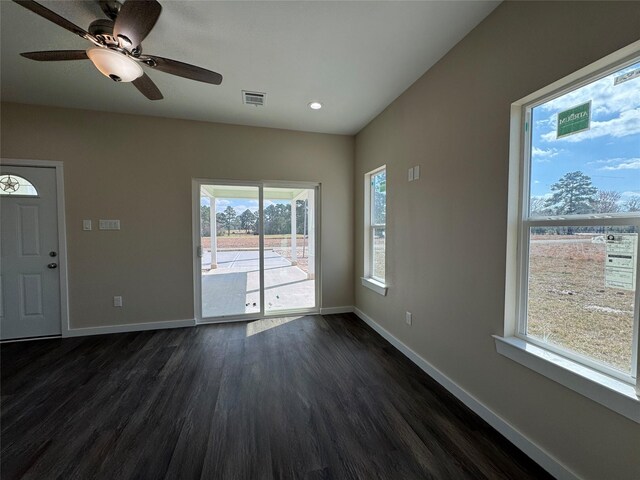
(139, 170)
(454, 122)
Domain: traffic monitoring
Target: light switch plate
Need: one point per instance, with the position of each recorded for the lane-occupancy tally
(410, 175)
(117, 301)
(86, 225)
(109, 224)
(416, 172)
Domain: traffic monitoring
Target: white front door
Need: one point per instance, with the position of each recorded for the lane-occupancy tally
(30, 279)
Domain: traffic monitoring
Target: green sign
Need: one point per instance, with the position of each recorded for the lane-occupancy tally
(574, 120)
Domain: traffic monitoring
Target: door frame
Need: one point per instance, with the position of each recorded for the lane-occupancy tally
(62, 235)
(196, 264)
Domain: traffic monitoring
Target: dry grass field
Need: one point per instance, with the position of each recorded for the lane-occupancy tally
(379, 265)
(281, 244)
(569, 304)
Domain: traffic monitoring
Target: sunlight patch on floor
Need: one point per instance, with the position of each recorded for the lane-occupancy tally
(259, 326)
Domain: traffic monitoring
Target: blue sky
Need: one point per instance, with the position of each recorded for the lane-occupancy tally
(609, 152)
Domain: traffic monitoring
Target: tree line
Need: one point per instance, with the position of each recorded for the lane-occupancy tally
(277, 220)
(575, 194)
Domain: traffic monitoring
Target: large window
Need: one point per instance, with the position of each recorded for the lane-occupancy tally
(580, 219)
(375, 228)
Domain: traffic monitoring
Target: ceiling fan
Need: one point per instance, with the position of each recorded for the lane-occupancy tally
(117, 45)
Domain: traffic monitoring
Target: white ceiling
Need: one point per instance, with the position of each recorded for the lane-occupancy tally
(354, 57)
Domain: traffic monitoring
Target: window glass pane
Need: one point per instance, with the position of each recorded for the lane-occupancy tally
(379, 198)
(581, 290)
(15, 185)
(378, 252)
(230, 262)
(585, 148)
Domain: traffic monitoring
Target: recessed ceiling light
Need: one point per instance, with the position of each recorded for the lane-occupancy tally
(315, 105)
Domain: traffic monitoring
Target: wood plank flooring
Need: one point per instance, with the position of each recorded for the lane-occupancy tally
(315, 397)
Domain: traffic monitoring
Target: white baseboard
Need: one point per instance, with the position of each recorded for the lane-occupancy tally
(131, 327)
(332, 310)
(190, 322)
(536, 453)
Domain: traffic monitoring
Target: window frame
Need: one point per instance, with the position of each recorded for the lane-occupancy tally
(620, 396)
(525, 221)
(369, 279)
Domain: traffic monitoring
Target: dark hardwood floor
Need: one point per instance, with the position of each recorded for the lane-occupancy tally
(309, 398)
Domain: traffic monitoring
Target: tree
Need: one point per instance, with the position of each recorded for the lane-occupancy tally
(277, 218)
(220, 223)
(205, 226)
(247, 221)
(606, 201)
(573, 194)
(379, 186)
(633, 204)
(228, 219)
(301, 212)
(537, 206)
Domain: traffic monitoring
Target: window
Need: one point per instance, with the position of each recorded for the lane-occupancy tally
(375, 229)
(17, 186)
(580, 230)
(574, 219)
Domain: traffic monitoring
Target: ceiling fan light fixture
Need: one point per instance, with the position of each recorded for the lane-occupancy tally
(117, 66)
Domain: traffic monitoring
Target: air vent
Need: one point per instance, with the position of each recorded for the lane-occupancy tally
(253, 98)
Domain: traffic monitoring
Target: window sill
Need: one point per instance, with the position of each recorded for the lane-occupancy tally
(614, 394)
(375, 285)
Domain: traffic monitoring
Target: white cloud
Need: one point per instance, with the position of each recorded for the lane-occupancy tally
(542, 153)
(606, 98)
(607, 161)
(615, 109)
(624, 164)
(625, 196)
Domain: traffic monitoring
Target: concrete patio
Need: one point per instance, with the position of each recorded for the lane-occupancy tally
(233, 288)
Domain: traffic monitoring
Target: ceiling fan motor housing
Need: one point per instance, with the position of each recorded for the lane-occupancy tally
(101, 26)
(102, 29)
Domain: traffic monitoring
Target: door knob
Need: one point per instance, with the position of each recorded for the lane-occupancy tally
(52, 265)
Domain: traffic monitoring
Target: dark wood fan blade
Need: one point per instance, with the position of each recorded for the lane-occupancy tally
(147, 87)
(136, 19)
(185, 70)
(56, 55)
(52, 17)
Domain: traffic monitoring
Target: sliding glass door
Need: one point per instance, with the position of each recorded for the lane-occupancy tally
(256, 249)
(289, 246)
